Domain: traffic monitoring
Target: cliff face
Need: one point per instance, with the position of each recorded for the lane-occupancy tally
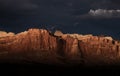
(40, 46)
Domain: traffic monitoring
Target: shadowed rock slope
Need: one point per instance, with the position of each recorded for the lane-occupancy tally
(40, 46)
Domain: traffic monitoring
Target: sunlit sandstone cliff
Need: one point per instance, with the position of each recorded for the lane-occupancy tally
(40, 46)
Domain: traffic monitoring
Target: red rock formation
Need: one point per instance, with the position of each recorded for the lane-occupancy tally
(40, 46)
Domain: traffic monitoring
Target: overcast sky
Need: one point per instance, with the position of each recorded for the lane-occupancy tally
(71, 16)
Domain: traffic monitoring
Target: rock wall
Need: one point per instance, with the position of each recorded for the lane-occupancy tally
(40, 46)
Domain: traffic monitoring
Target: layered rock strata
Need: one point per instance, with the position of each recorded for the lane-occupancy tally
(40, 46)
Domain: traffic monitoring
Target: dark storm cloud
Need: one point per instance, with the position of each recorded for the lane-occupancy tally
(105, 4)
(117, 2)
(17, 4)
(14, 7)
(73, 7)
(22, 14)
(102, 9)
(14, 14)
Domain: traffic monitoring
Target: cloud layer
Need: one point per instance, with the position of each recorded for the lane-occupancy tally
(17, 4)
(102, 13)
(105, 13)
(17, 15)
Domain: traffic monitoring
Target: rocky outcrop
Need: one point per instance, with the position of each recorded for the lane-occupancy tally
(40, 46)
(58, 33)
(5, 34)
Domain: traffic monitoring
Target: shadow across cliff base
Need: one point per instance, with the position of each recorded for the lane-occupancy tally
(45, 69)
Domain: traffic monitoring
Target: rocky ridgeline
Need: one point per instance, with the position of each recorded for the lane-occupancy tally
(40, 46)
(5, 34)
